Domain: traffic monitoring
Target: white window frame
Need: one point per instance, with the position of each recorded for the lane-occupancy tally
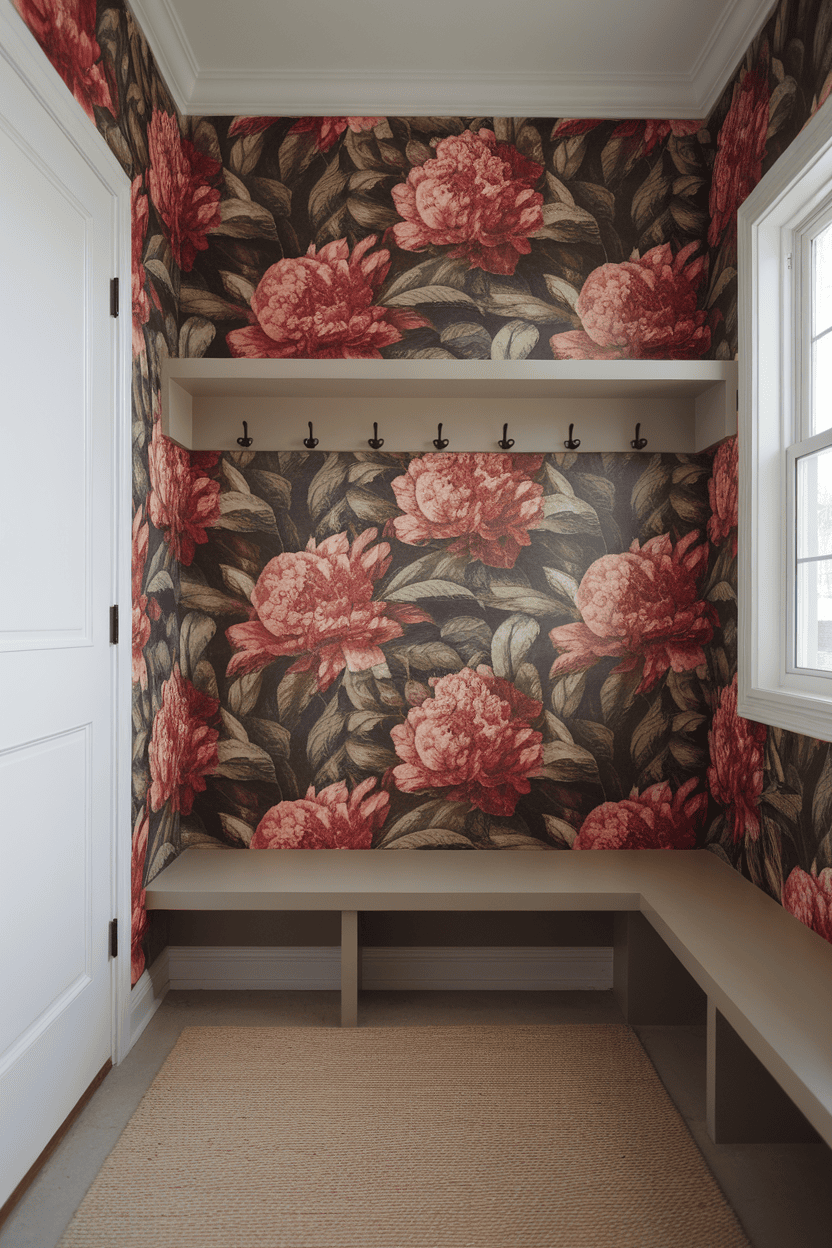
(774, 228)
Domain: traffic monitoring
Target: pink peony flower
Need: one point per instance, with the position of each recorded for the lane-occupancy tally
(139, 213)
(723, 492)
(65, 29)
(654, 819)
(476, 196)
(639, 136)
(809, 898)
(643, 309)
(741, 146)
(320, 306)
(486, 502)
(183, 745)
(318, 603)
(473, 738)
(141, 622)
(640, 605)
(736, 772)
(183, 501)
(182, 183)
(138, 927)
(331, 819)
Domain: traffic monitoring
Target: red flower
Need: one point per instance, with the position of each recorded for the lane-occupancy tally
(139, 213)
(183, 501)
(183, 746)
(473, 738)
(318, 603)
(320, 306)
(809, 898)
(741, 146)
(654, 819)
(182, 183)
(643, 309)
(331, 819)
(735, 776)
(327, 129)
(641, 136)
(141, 623)
(138, 926)
(65, 29)
(723, 489)
(642, 604)
(486, 502)
(475, 195)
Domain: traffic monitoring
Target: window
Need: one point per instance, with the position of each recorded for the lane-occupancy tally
(785, 438)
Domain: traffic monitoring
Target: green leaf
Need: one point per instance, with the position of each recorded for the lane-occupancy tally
(617, 693)
(430, 838)
(436, 813)
(648, 733)
(243, 693)
(519, 598)
(428, 295)
(516, 840)
(568, 515)
(566, 763)
(560, 831)
(566, 223)
(370, 757)
(245, 513)
(160, 583)
(194, 596)
(438, 565)
(273, 737)
(325, 734)
(294, 693)
(568, 693)
(326, 483)
(562, 583)
(428, 589)
(426, 657)
(511, 643)
(515, 341)
(242, 218)
(236, 829)
(242, 760)
(370, 506)
(196, 631)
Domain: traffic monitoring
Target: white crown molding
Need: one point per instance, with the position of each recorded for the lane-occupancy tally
(730, 39)
(200, 91)
(171, 48)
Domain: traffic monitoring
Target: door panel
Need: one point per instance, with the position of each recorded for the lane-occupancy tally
(57, 581)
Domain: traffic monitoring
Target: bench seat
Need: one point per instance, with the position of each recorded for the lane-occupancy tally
(679, 917)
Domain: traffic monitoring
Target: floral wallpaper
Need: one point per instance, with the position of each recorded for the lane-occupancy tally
(463, 650)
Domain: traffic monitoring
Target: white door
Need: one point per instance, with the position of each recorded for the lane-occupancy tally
(58, 578)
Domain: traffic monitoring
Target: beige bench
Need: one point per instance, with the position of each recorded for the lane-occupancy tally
(686, 924)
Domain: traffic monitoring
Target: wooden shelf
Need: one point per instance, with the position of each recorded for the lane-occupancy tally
(681, 405)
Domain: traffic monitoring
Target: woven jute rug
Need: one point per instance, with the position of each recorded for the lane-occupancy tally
(382, 1137)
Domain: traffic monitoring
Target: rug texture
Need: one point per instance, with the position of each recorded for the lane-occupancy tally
(383, 1137)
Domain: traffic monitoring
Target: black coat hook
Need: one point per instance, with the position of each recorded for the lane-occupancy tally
(571, 443)
(375, 441)
(439, 442)
(638, 444)
(311, 441)
(245, 440)
(505, 443)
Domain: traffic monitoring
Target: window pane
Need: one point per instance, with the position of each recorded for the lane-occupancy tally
(814, 504)
(822, 265)
(822, 384)
(814, 615)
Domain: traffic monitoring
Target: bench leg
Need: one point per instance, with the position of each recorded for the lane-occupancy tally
(744, 1103)
(350, 968)
(649, 982)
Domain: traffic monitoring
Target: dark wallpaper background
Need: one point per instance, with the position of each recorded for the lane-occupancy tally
(613, 717)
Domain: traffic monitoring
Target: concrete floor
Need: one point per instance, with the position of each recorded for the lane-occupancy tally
(781, 1193)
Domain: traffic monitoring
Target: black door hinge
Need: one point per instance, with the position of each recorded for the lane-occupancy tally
(113, 296)
(113, 938)
(114, 625)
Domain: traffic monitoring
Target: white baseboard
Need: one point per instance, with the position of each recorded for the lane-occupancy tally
(531, 969)
(148, 993)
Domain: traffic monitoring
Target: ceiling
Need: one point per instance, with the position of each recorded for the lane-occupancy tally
(549, 58)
